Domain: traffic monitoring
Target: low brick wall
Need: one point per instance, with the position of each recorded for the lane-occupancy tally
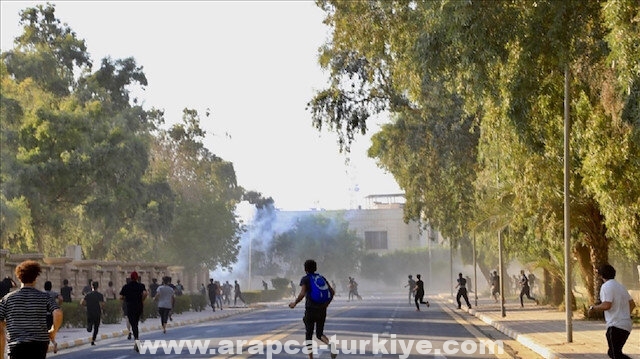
(78, 272)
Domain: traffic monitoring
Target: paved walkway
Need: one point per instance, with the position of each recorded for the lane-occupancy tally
(543, 329)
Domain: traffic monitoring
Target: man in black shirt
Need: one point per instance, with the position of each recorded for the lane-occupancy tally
(525, 291)
(65, 291)
(134, 294)
(94, 301)
(212, 289)
(462, 291)
(419, 296)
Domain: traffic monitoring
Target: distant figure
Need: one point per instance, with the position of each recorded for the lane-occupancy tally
(469, 288)
(226, 292)
(219, 294)
(58, 298)
(87, 288)
(23, 316)
(293, 289)
(515, 282)
(165, 297)
(212, 289)
(237, 293)
(495, 285)
(6, 285)
(524, 284)
(110, 293)
(203, 290)
(153, 287)
(175, 291)
(66, 291)
(617, 305)
(411, 283)
(353, 289)
(179, 289)
(419, 293)
(264, 285)
(462, 291)
(532, 282)
(94, 301)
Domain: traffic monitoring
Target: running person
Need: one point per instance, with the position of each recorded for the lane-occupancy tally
(419, 296)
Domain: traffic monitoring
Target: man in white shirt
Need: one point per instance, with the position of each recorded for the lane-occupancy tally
(617, 305)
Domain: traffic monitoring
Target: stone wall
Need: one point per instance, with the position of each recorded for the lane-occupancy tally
(78, 272)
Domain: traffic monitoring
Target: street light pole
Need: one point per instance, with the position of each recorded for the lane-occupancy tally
(500, 265)
(567, 222)
(475, 271)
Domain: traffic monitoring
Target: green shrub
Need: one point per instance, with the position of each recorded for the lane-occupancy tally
(183, 303)
(150, 310)
(74, 315)
(280, 283)
(252, 296)
(270, 295)
(198, 302)
(273, 295)
(112, 313)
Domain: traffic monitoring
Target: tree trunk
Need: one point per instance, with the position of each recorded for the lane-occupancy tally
(557, 291)
(593, 251)
(547, 282)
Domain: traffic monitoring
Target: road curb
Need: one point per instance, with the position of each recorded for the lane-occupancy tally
(150, 328)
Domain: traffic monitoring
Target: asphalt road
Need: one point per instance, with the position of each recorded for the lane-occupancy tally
(376, 327)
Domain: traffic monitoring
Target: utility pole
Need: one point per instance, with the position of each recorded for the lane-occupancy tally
(567, 222)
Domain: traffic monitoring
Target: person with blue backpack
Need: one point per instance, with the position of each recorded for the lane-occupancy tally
(318, 294)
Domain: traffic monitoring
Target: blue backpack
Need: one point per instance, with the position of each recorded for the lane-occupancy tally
(319, 291)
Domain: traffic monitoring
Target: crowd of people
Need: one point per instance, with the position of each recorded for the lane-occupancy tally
(30, 318)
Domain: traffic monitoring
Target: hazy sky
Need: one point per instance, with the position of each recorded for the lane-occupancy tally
(254, 64)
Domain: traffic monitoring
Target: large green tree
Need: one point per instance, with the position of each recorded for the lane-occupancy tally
(486, 79)
(205, 230)
(69, 134)
(83, 163)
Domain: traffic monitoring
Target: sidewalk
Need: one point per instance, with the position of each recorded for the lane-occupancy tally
(72, 337)
(543, 329)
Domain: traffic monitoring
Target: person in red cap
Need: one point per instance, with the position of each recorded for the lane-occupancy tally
(134, 293)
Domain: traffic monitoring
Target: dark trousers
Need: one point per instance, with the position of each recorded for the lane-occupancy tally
(462, 292)
(525, 291)
(134, 315)
(235, 298)
(616, 338)
(419, 299)
(93, 322)
(164, 315)
(29, 350)
(314, 318)
(212, 300)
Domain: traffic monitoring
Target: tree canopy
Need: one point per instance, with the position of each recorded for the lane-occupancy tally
(475, 94)
(83, 163)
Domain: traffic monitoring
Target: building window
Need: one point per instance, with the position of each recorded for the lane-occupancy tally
(375, 240)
